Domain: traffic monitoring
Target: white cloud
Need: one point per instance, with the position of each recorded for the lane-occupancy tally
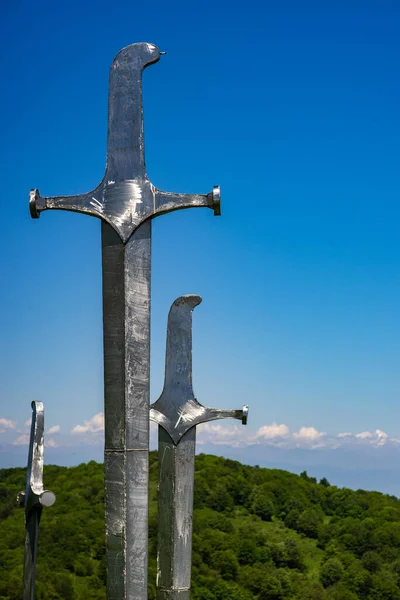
(273, 434)
(218, 434)
(51, 443)
(364, 435)
(279, 435)
(28, 422)
(6, 424)
(378, 438)
(22, 440)
(382, 437)
(272, 431)
(54, 429)
(308, 433)
(94, 425)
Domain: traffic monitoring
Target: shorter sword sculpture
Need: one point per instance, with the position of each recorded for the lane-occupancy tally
(177, 413)
(34, 498)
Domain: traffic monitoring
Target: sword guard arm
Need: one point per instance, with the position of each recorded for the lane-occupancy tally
(213, 414)
(169, 201)
(83, 203)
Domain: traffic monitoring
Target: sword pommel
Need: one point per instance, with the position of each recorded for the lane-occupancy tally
(215, 200)
(33, 204)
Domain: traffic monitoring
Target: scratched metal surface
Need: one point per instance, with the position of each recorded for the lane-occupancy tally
(126, 296)
(178, 412)
(34, 498)
(175, 499)
(125, 201)
(114, 410)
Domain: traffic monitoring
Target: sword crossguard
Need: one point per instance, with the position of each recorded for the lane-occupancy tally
(35, 496)
(177, 410)
(125, 197)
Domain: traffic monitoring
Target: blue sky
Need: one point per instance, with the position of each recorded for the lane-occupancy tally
(293, 108)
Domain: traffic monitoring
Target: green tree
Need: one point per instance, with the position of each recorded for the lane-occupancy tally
(262, 504)
(331, 572)
(306, 477)
(309, 520)
(226, 562)
(371, 561)
(292, 518)
(340, 592)
(324, 482)
(64, 586)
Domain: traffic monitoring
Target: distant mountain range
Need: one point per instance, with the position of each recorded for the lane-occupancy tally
(363, 466)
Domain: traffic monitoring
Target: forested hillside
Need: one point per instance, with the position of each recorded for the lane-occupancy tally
(258, 534)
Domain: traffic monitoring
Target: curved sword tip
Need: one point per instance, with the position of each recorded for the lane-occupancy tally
(148, 53)
(190, 300)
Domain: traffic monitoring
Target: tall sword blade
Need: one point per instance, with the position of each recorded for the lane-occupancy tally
(126, 310)
(178, 412)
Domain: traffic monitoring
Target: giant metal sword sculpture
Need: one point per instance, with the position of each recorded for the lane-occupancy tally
(178, 412)
(34, 498)
(126, 201)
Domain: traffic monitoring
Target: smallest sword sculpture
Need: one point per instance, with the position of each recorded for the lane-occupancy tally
(177, 413)
(34, 498)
